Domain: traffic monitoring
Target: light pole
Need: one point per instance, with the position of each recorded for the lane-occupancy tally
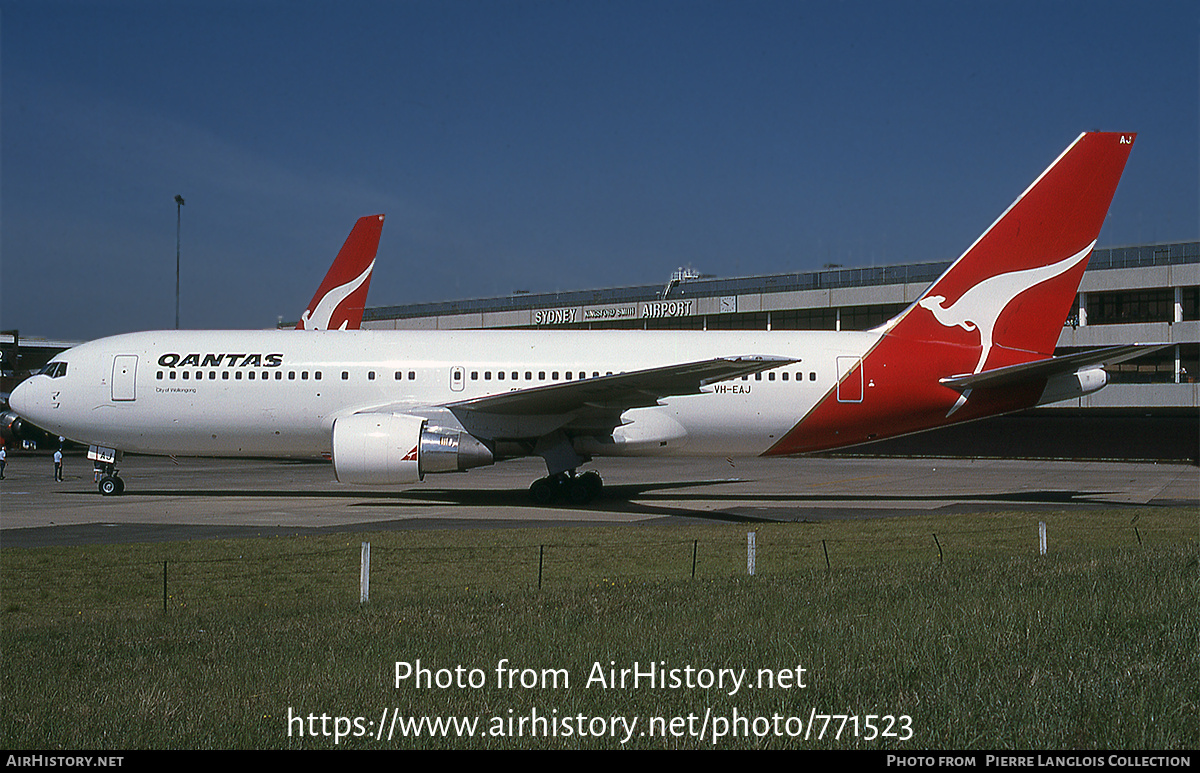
(178, 221)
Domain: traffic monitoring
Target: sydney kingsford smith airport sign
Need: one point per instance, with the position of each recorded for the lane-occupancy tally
(645, 310)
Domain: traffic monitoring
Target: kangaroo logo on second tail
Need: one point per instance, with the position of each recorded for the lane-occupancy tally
(321, 317)
(341, 297)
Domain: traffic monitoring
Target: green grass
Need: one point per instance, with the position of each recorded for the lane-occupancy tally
(1091, 646)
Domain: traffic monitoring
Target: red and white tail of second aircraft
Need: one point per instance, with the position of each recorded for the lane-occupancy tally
(342, 296)
(391, 407)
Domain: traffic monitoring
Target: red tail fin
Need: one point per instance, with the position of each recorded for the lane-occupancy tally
(1002, 303)
(339, 302)
(1012, 290)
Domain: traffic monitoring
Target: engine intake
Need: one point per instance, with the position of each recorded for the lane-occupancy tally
(380, 449)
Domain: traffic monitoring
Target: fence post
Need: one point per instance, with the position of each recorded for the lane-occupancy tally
(364, 574)
(750, 552)
(1042, 537)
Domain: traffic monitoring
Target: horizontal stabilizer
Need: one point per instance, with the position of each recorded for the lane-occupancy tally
(1054, 366)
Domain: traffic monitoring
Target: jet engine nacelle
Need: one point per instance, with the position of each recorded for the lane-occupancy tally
(380, 448)
(11, 426)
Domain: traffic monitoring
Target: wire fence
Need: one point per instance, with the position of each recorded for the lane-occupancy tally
(276, 573)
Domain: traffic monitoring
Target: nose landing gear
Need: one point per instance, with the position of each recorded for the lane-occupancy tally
(104, 462)
(108, 481)
(110, 485)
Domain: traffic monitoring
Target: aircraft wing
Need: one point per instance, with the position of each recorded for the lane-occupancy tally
(587, 405)
(620, 391)
(595, 405)
(1051, 367)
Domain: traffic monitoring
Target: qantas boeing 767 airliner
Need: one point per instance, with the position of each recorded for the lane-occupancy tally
(391, 407)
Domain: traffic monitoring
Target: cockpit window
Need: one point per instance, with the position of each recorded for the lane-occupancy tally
(55, 369)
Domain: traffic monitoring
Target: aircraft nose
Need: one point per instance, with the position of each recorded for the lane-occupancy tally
(23, 400)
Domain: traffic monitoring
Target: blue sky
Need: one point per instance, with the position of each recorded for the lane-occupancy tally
(548, 145)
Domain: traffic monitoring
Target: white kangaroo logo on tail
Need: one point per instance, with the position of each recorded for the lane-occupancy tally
(980, 307)
(323, 312)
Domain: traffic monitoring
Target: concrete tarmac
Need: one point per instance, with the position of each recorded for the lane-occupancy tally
(226, 498)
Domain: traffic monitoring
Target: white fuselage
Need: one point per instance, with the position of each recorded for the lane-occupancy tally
(278, 393)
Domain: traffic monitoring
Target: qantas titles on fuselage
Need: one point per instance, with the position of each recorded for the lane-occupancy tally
(392, 406)
(174, 360)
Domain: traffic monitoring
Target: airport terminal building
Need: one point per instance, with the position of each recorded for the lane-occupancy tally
(1141, 294)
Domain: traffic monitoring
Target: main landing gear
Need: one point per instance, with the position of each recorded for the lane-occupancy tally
(576, 489)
